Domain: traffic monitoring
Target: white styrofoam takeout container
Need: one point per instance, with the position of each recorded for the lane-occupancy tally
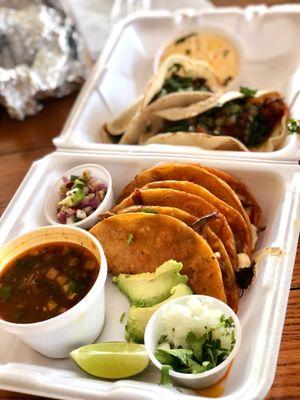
(57, 336)
(276, 187)
(268, 36)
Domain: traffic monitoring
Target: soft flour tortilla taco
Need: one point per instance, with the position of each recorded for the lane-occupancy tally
(214, 47)
(112, 130)
(236, 121)
(144, 253)
(177, 75)
(150, 120)
(230, 285)
(181, 74)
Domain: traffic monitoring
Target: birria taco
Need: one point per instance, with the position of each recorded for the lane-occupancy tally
(178, 74)
(144, 253)
(230, 285)
(242, 121)
(189, 203)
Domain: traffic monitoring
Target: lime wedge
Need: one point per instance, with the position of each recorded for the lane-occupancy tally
(111, 360)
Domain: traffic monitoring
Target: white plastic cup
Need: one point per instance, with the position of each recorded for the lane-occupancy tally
(206, 29)
(78, 326)
(154, 330)
(53, 198)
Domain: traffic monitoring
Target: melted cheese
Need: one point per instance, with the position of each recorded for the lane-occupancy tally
(243, 260)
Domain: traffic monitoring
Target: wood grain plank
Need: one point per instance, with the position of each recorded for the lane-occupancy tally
(296, 274)
(23, 142)
(13, 169)
(36, 131)
(287, 383)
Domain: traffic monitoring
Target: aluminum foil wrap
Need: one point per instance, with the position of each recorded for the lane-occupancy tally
(40, 55)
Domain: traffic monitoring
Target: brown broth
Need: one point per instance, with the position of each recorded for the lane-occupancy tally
(46, 281)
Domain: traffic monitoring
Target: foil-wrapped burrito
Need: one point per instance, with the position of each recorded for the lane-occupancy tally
(41, 55)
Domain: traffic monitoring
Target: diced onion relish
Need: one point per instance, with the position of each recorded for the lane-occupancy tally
(80, 196)
(196, 337)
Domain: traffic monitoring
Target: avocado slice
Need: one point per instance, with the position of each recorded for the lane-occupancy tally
(76, 196)
(139, 316)
(149, 288)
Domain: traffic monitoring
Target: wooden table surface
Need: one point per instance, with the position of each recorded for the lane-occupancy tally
(23, 142)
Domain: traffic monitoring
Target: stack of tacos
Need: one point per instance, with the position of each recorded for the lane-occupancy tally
(246, 120)
(177, 75)
(186, 103)
(200, 216)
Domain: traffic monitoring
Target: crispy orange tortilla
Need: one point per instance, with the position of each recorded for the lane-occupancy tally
(155, 239)
(185, 172)
(188, 172)
(230, 286)
(235, 220)
(243, 193)
(190, 203)
(171, 211)
(232, 290)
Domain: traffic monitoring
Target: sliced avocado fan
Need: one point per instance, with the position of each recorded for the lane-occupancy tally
(138, 317)
(149, 288)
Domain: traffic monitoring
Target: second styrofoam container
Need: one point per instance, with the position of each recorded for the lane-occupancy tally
(126, 65)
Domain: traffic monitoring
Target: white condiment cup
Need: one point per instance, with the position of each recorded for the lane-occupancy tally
(206, 29)
(154, 330)
(53, 198)
(76, 327)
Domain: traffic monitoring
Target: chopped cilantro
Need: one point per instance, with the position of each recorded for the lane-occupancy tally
(71, 288)
(201, 353)
(165, 376)
(5, 292)
(162, 339)
(247, 92)
(227, 322)
(74, 177)
(175, 67)
(130, 239)
(177, 83)
(149, 211)
(18, 315)
(184, 38)
(122, 317)
(293, 126)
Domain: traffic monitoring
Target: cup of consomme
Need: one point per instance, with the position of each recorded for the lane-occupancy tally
(52, 283)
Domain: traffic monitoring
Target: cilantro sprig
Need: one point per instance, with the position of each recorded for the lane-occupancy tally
(293, 126)
(247, 92)
(165, 377)
(200, 354)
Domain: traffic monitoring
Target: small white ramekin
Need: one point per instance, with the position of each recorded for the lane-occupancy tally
(52, 198)
(205, 29)
(76, 327)
(197, 381)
